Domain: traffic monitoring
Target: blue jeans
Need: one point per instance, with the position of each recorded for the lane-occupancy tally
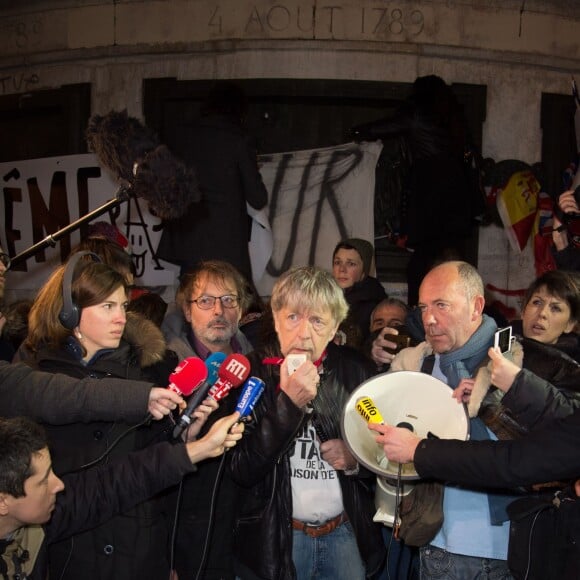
(437, 564)
(402, 561)
(331, 557)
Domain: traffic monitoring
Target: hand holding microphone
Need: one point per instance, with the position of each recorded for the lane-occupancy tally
(251, 392)
(188, 416)
(399, 443)
(224, 434)
(299, 381)
(182, 381)
(231, 373)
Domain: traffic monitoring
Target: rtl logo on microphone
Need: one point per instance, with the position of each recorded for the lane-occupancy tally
(236, 368)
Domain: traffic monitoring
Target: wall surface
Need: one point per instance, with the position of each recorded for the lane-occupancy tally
(519, 50)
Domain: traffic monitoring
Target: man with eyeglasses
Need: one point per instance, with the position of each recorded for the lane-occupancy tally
(212, 298)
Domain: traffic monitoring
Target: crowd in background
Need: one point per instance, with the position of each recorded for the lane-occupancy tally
(289, 499)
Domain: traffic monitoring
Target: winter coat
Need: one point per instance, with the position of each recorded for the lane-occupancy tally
(58, 399)
(195, 499)
(134, 544)
(260, 464)
(218, 227)
(96, 495)
(538, 395)
(545, 534)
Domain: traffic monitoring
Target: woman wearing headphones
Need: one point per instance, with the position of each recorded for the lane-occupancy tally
(79, 326)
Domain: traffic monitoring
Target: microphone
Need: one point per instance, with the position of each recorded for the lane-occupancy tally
(187, 375)
(212, 365)
(132, 152)
(233, 372)
(251, 392)
(368, 411)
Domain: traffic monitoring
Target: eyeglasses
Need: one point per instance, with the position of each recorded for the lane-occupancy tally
(208, 302)
(5, 259)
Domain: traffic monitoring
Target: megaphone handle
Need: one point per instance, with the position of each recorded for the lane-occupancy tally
(396, 518)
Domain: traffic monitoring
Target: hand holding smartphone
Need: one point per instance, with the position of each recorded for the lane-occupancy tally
(402, 340)
(503, 339)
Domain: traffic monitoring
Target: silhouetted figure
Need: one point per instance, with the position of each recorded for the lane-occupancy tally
(441, 202)
(225, 162)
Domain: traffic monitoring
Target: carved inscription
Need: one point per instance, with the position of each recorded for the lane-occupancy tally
(379, 22)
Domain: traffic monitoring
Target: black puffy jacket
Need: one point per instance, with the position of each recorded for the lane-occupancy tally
(260, 463)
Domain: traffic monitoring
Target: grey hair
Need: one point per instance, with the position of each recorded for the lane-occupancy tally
(470, 280)
(391, 301)
(306, 288)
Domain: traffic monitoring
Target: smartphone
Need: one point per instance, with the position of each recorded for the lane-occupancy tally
(402, 340)
(503, 339)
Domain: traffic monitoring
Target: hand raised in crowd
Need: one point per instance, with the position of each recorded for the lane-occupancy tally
(559, 234)
(567, 202)
(199, 417)
(224, 434)
(378, 352)
(302, 385)
(162, 401)
(503, 371)
(335, 452)
(399, 444)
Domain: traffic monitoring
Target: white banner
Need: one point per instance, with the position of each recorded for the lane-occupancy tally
(317, 197)
(42, 196)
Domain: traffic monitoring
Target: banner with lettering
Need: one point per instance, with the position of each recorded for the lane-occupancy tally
(42, 196)
(317, 197)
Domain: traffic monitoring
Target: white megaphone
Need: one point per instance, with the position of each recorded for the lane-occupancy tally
(412, 399)
(386, 497)
(416, 400)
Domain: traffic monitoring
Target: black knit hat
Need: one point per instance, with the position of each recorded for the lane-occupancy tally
(365, 250)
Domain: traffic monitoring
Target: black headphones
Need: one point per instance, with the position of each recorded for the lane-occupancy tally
(70, 315)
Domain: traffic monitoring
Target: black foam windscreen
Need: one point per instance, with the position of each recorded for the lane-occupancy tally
(70, 314)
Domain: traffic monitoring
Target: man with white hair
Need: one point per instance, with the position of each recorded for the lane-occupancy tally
(306, 507)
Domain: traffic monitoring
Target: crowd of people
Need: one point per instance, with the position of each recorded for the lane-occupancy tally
(94, 483)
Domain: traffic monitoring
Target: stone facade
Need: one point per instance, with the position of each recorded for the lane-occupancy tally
(519, 51)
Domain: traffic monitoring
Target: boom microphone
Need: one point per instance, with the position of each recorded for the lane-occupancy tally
(233, 372)
(212, 365)
(132, 152)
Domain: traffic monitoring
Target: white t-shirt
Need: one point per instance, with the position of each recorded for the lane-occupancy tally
(316, 493)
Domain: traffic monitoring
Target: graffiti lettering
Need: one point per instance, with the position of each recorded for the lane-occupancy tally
(46, 220)
(18, 83)
(334, 174)
(12, 195)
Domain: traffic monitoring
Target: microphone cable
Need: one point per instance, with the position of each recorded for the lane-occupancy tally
(211, 516)
(110, 447)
